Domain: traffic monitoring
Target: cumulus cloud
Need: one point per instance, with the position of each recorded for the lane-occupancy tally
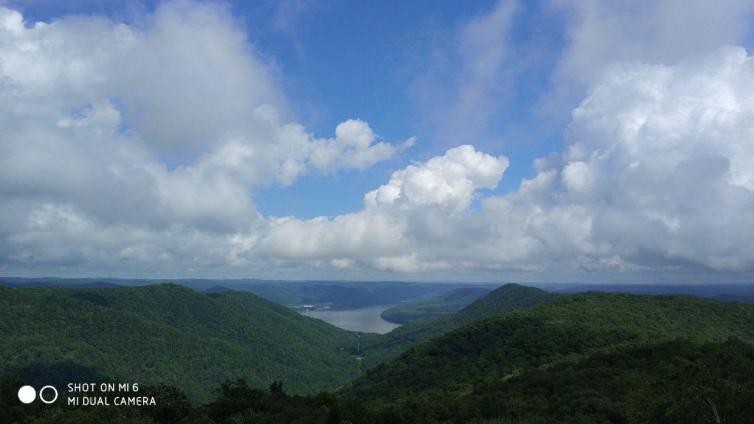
(448, 181)
(355, 146)
(656, 174)
(384, 234)
(125, 151)
(163, 125)
(601, 33)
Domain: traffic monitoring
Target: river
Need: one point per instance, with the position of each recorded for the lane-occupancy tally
(367, 319)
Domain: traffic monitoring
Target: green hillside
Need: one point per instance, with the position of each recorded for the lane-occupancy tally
(678, 381)
(585, 358)
(671, 382)
(168, 334)
(571, 326)
(435, 306)
(503, 300)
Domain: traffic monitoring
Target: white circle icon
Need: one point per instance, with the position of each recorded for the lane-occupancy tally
(48, 401)
(27, 394)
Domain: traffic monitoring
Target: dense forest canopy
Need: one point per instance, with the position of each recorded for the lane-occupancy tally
(169, 334)
(516, 355)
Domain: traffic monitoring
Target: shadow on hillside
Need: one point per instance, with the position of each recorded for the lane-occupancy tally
(57, 374)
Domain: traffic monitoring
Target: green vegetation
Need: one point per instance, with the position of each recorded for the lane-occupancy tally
(673, 382)
(168, 334)
(341, 294)
(338, 294)
(435, 306)
(517, 355)
(501, 301)
(565, 330)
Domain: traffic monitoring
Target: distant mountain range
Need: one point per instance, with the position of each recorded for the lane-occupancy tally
(743, 293)
(37, 283)
(338, 294)
(434, 307)
(356, 294)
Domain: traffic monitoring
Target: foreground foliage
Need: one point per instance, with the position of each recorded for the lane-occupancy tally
(672, 382)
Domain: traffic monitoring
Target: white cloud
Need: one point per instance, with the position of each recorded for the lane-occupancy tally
(384, 234)
(449, 181)
(656, 172)
(655, 175)
(601, 33)
(577, 176)
(355, 146)
(123, 150)
(160, 128)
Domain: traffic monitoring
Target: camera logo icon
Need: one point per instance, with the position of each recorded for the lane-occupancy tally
(47, 394)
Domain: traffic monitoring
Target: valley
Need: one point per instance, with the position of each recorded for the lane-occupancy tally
(516, 343)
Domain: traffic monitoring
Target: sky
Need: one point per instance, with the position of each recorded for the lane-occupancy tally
(530, 141)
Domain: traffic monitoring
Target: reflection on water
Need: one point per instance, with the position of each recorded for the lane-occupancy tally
(362, 319)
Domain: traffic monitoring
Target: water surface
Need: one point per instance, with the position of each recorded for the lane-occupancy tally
(363, 319)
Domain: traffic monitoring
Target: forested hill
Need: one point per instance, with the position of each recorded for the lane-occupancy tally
(168, 334)
(501, 301)
(525, 356)
(435, 306)
(477, 366)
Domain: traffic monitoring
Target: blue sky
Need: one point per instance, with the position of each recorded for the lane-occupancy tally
(363, 60)
(341, 60)
(550, 142)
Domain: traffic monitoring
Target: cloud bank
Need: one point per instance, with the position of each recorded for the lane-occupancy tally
(136, 149)
(128, 144)
(657, 174)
